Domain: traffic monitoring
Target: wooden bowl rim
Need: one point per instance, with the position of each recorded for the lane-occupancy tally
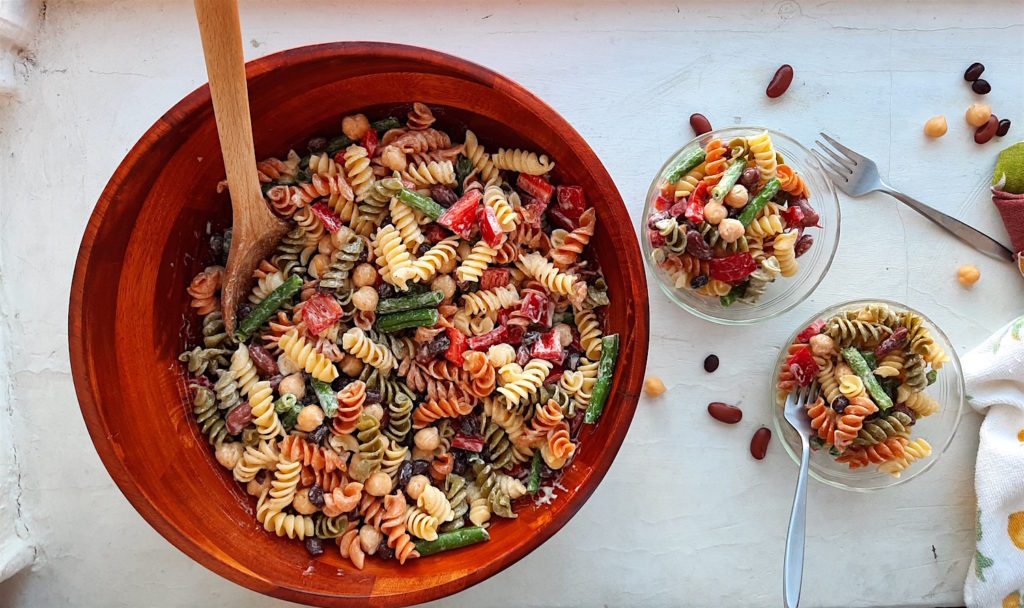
(83, 372)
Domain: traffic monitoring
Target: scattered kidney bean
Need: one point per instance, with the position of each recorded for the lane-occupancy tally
(372, 396)
(1004, 127)
(891, 343)
(700, 124)
(987, 131)
(420, 467)
(759, 443)
(723, 412)
(711, 363)
(803, 244)
(238, 418)
(263, 360)
(404, 473)
(981, 86)
(780, 81)
(974, 71)
(654, 218)
(839, 403)
(699, 281)
(750, 177)
(697, 246)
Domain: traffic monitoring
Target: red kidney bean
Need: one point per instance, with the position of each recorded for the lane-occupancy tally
(723, 412)
(697, 246)
(803, 244)
(759, 443)
(711, 363)
(700, 124)
(986, 131)
(892, 342)
(811, 217)
(1004, 127)
(238, 418)
(263, 360)
(750, 177)
(973, 72)
(981, 86)
(780, 81)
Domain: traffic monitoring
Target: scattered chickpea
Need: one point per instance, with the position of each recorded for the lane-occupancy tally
(379, 484)
(714, 213)
(416, 485)
(302, 504)
(978, 114)
(935, 127)
(737, 197)
(365, 298)
(351, 366)
(822, 345)
(445, 284)
(286, 366)
(309, 418)
(427, 439)
(375, 410)
(654, 387)
(355, 126)
(293, 384)
(364, 275)
(968, 275)
(564, 334)
(369, 539)
(730, 230)
(229, 453)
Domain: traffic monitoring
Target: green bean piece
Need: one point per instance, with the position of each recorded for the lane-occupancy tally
(265, 309)
(860, 367)
(463, 167)
(337, 144)
(385, 124)
(931, 376)
(757, 203)
(683, 164)
(605, 369)
(534, 483)
(411, 302)
(287, 408)
(729, 179)
(456, 539)
(424, 204)
(327, 397)
(421, 317)
(737, 292)
(869, 358)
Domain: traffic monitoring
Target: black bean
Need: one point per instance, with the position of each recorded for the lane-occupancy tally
(317, 145)
(316, 496)
(385, 290)
(981, 86)
(339, 383)
(404, 473)
(468, 426)
(711, 363)
(1004, 127)
(420, 467)
(217, 246)
(384, 551)
(320, 433)
(839, 403)
(363, 255)
(244, 309)
(459, 466)
(314, 546)
(699, 281)
(973, 72)
(439, 344)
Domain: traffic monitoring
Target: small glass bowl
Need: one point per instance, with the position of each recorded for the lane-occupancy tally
(784, 293)
(938, 429)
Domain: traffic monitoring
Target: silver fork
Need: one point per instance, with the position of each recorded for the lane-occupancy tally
(793, 570)
(857, 175)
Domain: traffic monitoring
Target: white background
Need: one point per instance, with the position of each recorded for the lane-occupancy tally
(685, 516)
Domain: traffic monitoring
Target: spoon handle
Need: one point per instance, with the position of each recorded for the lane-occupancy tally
(793, 570)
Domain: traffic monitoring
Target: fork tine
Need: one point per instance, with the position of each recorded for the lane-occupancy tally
(842, 160)
(848, 152)
(831, 167)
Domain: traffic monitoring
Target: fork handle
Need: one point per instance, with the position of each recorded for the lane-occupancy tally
(979, 240)
(793, 569)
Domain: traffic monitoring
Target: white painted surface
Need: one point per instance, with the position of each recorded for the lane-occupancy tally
(685, 517)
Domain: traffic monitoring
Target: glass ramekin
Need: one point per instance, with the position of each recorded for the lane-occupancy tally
(938, 429)
(784, 293)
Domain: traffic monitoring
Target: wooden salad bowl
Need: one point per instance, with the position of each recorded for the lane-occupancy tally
(129, 314)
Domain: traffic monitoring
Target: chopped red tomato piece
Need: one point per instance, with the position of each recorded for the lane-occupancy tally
(468, 443)
(810, 331)
(494, 277)
(533, 211)
(548, 348)
(320, 312)
(369, 141)
(488, 339)
(533, 305)
(570, 201)
(803, 366)
(536, 187)
(331, 220)
(459, 218)
(695, 205)
(457, 347)
(662, 203)
(733, 267)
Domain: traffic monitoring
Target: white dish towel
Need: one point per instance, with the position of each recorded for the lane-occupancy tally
(994, 374)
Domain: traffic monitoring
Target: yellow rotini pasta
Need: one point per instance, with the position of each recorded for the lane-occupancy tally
(525, 383)
(522, 161)
(495, 198)
(407, 221)
(358, 171)
(306, 357)
(537, 267)
(430, 173)
(357, 344)
(764, 155)
(480, 159)
(395, 256)
(490, 300)
(480, 256)
(784, 253)
(590, 333)
(261, 400)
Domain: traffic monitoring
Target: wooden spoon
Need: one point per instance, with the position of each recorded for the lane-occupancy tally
(255, 230)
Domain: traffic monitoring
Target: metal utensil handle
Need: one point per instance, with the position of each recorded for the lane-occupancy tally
(979, 240)
(793, 569)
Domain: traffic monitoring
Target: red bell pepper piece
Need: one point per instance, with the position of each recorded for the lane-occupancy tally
(459, 218)
(810, 331)
(656, 239)
(533, 211)
(458, 345)
(320, 312)
(570, 201)
(370, 141)
(533, 305)
(494, 277)
(434, 233)
(488, 339)
(468, 443)
(515, 334)
(536, 187)
(331, 220)
(662, 203)
(794, 216)
(803, 366)
(490, 229)
(548, 348)
(733, 267)
(695, 205)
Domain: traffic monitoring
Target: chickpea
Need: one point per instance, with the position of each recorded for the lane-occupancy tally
(229, 453)
(737, 197)
(379, 484)
(286, 366)
(258, 485)
(935, 127)
(364, 275)
(654, 387)
(416, 486)
(341, 237)
(369, 539)
(355, 126)
(326, 244)
(293, 384)
(445, 284)
(564, 334)
(375, 410)
(463, 252)
(418, 454)
(318, 265)
(302, 504)
(714, 213)
(978, 114)
(822, 345)
(309, 418)
(351, 366)
(968, 275)
(427, 439)
(365, 298)
(451, 261)
(730, 230)
(393, 158)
